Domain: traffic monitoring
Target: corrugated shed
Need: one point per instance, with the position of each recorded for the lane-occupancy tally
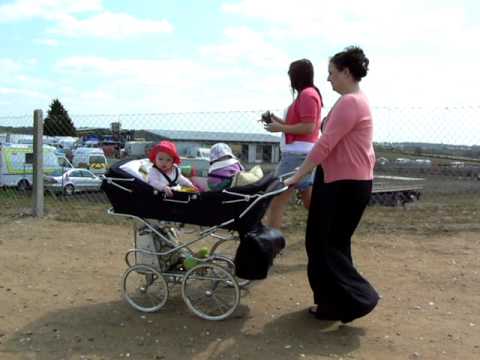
(186, 135)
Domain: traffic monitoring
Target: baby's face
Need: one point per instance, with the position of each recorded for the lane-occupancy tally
(163, 161)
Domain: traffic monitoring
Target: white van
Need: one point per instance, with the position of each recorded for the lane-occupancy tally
(16, 162)
(93, 159)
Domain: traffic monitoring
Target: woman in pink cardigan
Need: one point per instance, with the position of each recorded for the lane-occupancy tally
(340, 194)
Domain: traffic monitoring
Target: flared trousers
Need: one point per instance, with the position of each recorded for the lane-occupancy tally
(335, 211)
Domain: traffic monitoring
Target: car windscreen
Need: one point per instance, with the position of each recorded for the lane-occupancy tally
(97, 160)
(56, 172)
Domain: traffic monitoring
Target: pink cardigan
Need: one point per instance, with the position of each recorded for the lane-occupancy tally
(345, 148)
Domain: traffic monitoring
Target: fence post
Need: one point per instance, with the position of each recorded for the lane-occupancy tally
(38, 200)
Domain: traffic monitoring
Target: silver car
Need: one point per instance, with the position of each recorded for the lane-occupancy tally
(72, 180)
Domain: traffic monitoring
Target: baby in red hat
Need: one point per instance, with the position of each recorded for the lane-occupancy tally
(165, 174)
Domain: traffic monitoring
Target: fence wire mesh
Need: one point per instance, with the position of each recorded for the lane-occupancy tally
(428, 159)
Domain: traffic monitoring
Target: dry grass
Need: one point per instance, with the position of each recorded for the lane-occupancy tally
(447, 205)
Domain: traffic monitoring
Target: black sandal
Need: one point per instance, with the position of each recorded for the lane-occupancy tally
(313, 310)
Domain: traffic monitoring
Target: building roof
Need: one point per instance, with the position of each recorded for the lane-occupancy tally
(187, 135)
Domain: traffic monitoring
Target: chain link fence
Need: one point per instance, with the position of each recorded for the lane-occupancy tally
(427, 158)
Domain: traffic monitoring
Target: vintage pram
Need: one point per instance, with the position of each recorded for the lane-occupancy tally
(209, 285)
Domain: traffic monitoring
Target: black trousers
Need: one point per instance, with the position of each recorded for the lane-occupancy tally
(335, 211)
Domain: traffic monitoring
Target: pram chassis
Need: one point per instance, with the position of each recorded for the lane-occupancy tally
(219, 294)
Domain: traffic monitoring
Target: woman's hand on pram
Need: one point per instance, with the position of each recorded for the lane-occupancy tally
(291, 181)
(290, 178)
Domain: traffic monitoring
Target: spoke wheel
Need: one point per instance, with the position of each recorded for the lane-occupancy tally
(210, 291)
(224, 251)
(144, 288)
(228, 264)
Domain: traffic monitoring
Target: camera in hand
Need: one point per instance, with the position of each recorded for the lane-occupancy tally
(267, 117)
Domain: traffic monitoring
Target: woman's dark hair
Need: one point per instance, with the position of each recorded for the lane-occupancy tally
(301, 76)
(354, 59)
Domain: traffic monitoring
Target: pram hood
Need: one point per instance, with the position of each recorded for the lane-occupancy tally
(239, 208)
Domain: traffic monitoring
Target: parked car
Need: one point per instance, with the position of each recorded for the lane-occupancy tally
(72, 180)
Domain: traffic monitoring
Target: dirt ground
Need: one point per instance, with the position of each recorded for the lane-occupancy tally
(60, 299)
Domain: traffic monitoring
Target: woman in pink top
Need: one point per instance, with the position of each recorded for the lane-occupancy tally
(300, 132)
(340, 194)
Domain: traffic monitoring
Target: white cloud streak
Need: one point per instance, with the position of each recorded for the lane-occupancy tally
(109, 25)
(22, 92)
(244, 44)
(389, 24)
(46, 9)
(47, 42)
(64, 14)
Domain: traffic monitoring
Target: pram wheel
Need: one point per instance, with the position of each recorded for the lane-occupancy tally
(227, 262)
(210, 291)
(144, 288)
(224, 251)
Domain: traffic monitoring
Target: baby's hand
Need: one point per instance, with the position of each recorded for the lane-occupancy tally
(168, 191)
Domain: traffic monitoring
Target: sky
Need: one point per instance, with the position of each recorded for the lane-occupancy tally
(157, 56)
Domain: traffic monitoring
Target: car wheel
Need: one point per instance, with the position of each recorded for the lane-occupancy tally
(68, 189)
(23, 185)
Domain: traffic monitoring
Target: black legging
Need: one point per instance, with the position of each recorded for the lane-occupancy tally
(335, 211)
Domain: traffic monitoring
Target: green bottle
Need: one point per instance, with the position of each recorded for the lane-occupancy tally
(191, 261)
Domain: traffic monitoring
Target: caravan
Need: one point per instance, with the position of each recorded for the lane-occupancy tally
(16, 164)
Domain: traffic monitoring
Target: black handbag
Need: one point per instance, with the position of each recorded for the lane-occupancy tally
(258, 247)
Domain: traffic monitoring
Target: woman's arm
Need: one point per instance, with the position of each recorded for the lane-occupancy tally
(306, 127)
(304, 169)
(308, 110)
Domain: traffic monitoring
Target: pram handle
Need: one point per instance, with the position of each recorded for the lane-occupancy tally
(177, 201)
(111, 180)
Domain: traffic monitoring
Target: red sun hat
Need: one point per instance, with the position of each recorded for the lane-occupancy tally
(167, 147)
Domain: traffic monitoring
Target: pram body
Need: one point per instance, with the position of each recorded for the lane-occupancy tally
(158, 253)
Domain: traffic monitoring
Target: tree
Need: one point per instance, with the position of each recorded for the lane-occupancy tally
(58, 122)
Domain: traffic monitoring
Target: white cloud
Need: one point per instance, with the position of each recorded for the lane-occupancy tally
(47, 42)
(168, 72)
(109, 25)
(46, 9)
(417, 80)
(391, 25)
(64, 14)
(243, 44)
(9, 66)
(22, 92)
(421, 53)
(166, 85)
